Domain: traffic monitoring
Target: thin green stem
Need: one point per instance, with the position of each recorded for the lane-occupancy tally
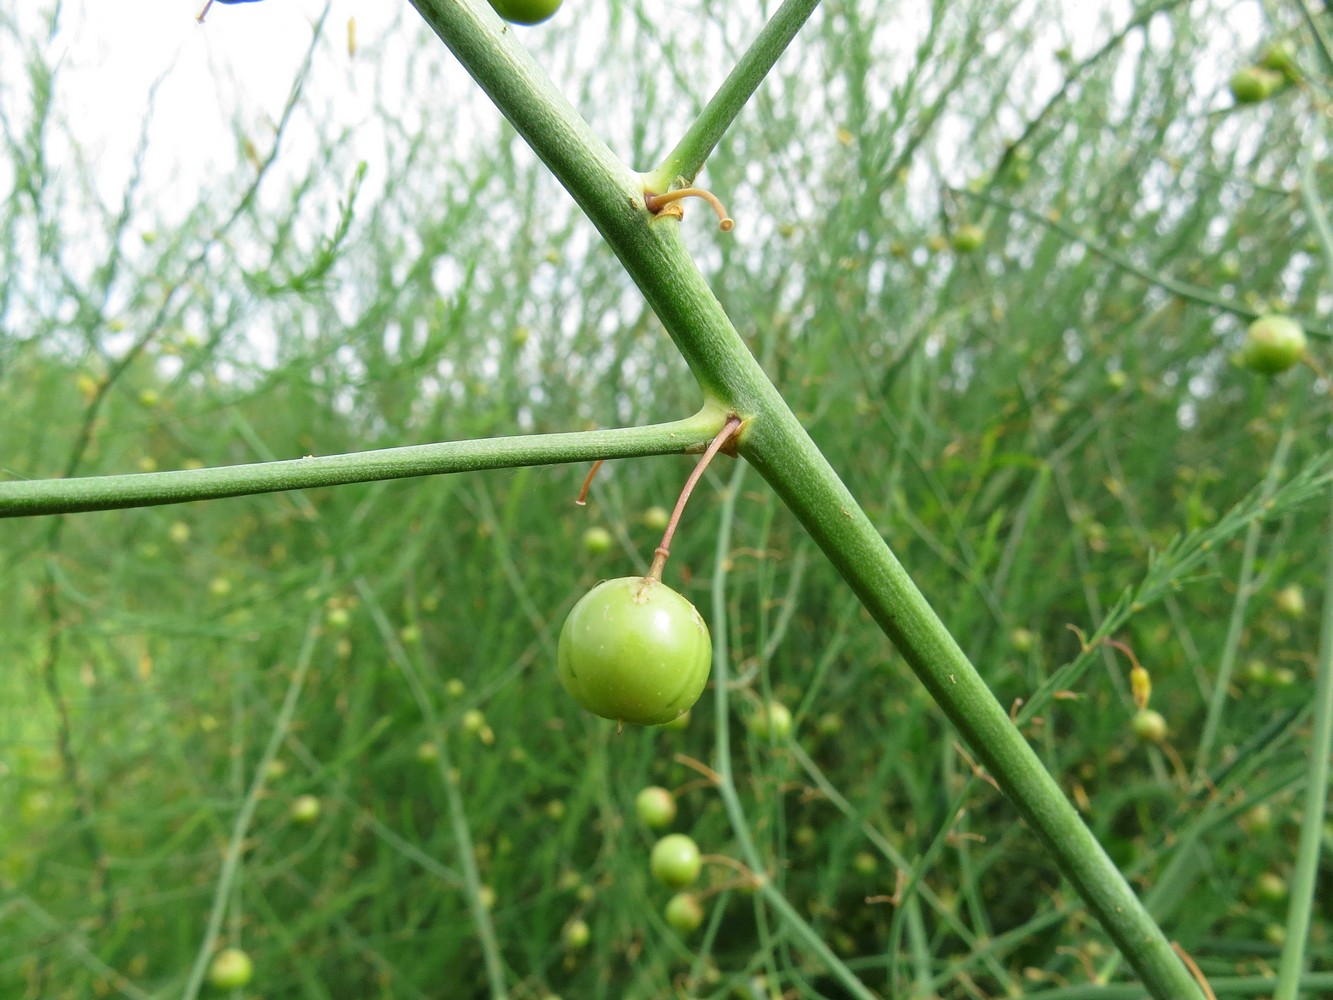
(1303, 877)
(65, 496)
(782, 452)
(231, 859)
(726, 787)
(1302, 886)
(1186, 291)
(492, 959)
(1244, 590)
(684, 162)
(1230, 986)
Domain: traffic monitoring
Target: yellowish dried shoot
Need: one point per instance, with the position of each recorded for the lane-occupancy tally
(656, 202)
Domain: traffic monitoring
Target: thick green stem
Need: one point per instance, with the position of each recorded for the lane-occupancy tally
(785, 456)
(67, 496)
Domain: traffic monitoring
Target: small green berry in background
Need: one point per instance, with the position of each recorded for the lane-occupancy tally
(684, 912)
(1273, 344)
(968, 238)
(576, 934)
(1149, 726)
(1290, 601)
(305, 809)
(597, 541)
(655, 518)
(1254, 84)
(770, 720)
(231, 969)
(675, 861)
(655, 807)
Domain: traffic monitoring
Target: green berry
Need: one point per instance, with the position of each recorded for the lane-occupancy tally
(526, 11)
(773, 719)
(1254, 84)
(1149, 726)
(830, 724)
(684, 913)
(634, 650)
(656, 807)
(1280, 57)
(597, 541)
(1283, 677)
(1270, 888)
(969, 237)
(676, 861)
(1290, 600)
(1258, 820)
(576, 934)
(304, 809)
(231, 969)
(1272, 344)
(655, 518)
(1021, 640)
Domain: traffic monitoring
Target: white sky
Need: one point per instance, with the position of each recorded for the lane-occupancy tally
(113, 53)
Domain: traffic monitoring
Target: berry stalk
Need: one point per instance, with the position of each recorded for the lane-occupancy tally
(663, 551)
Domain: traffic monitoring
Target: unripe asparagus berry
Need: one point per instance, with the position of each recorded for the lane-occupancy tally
(231, 969)
(1272, 344)
(304, 809)
(597, 541)
(634, 650)
(1254, 84)
(772, 719)
(655, 807)
(526, 11)
(969, 237)
(684, 913)
(1149, 726)
(676, 861)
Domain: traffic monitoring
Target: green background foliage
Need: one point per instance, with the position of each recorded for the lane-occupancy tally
(1031, 425)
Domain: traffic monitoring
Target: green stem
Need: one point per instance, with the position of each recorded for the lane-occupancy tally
(684, 162)
(66, 496)
(726, 787)
(1306, 872)
(1181, 289)
(240, 830)
(786, 457)
(1245, 585)
(1303, 878)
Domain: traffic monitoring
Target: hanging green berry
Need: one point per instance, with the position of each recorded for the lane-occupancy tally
(684, 913)
(676, 861)
(526, 11)
(655, 806)
(634, 650)
(231, 969)
(1272, 345)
